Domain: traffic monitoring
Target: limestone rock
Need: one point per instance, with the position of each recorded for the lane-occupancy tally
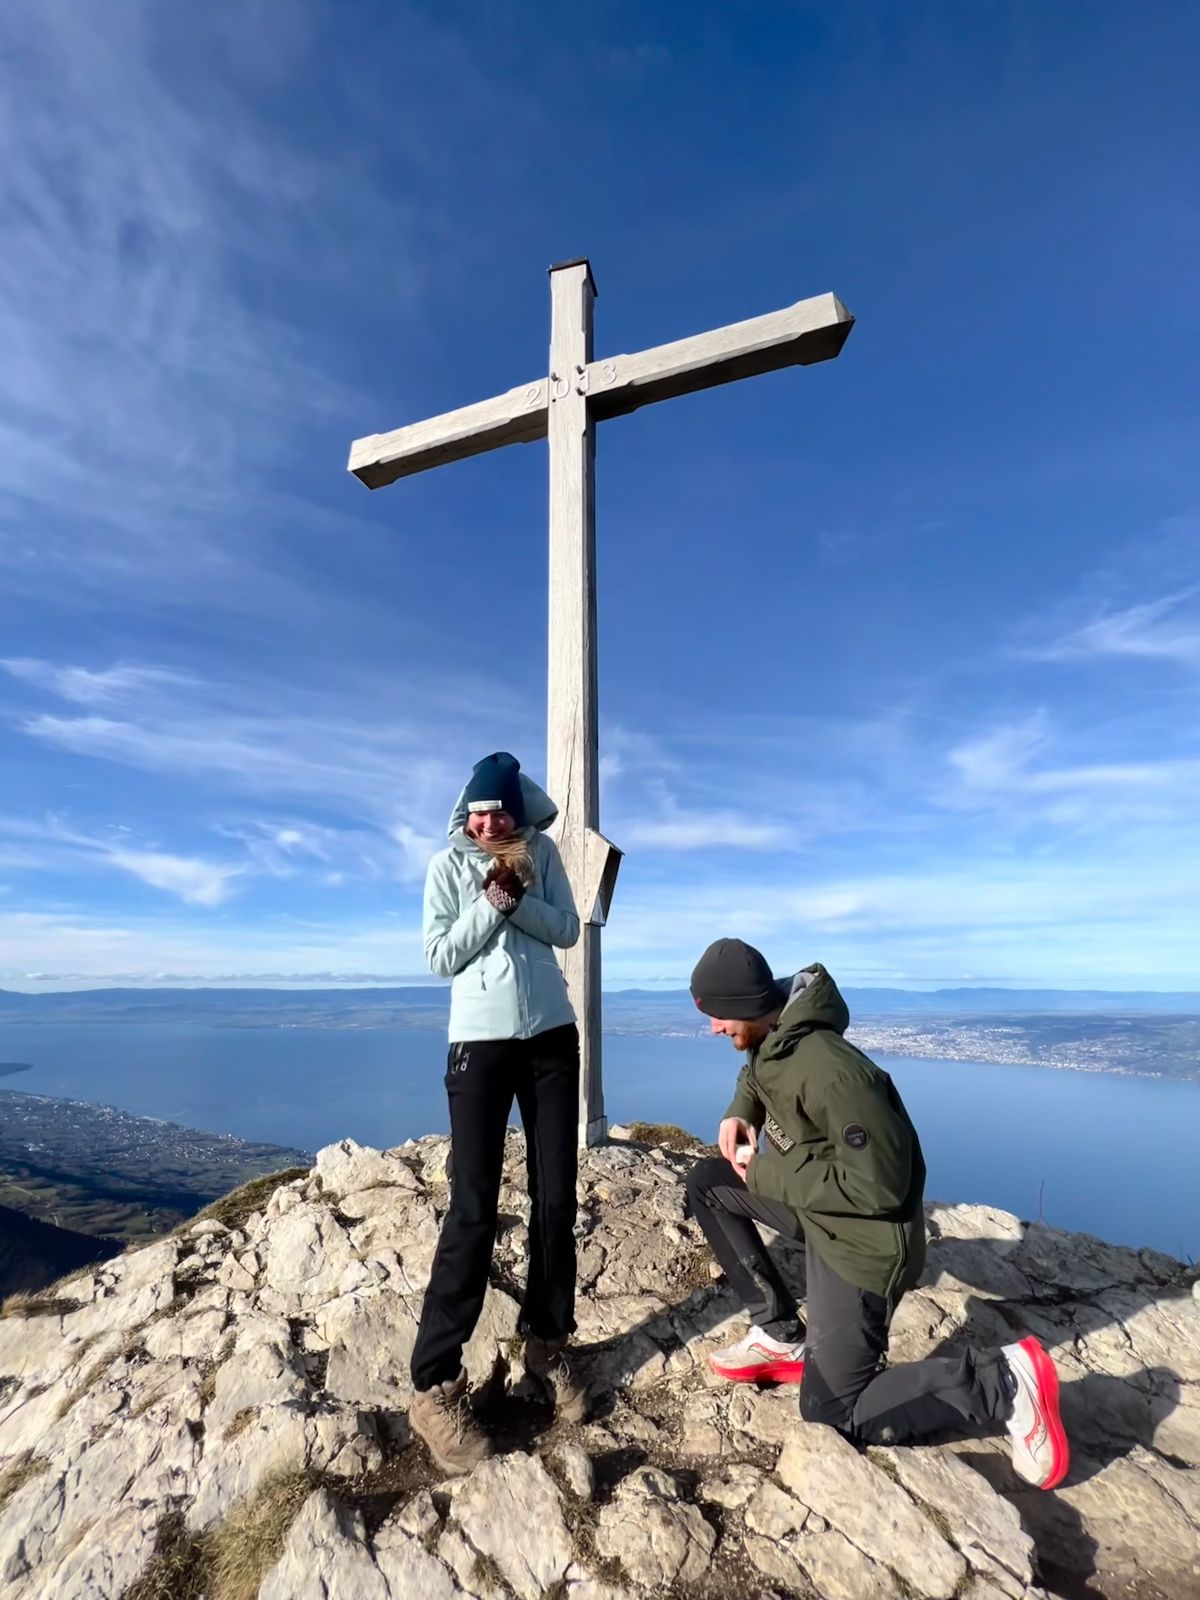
(581, 1586)
(658, 1539)
(306, 1254)
(346, 1167)
(370, 1336)
(786, 1549)
(576, 1467)
(325, 1553)
(985, 1528)
(827, 1475)
(494, 1335)
(510, 1511)
(471, 1572)
(733, 1486)
(410, 1569)
(235, 1276)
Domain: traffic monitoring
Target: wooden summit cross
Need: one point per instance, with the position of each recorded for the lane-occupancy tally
(564, 407)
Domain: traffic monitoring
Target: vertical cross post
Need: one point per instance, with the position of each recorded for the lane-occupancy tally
(565, 408)
(572, 723)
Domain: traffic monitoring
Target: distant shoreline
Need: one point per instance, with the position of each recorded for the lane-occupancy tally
(7, 1068)
(1162, 1046)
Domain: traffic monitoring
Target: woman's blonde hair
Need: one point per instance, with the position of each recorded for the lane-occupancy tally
(513, 852)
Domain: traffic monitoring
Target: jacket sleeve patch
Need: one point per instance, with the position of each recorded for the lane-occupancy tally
(855, 1136)
(783, 1142)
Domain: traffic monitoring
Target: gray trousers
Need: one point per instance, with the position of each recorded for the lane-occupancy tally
(846, 1382)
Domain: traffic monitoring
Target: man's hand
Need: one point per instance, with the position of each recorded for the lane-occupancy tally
(735, 1132)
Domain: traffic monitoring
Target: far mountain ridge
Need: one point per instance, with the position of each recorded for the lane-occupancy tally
(173, 1003)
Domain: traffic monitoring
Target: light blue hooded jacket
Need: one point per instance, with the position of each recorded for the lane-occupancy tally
(507, 981)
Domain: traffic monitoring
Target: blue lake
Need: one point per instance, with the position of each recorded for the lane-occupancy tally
(1113, 1156)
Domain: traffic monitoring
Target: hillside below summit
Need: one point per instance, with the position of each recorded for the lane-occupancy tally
(223, 1413)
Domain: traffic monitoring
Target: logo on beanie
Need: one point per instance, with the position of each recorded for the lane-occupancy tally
(856, 1136)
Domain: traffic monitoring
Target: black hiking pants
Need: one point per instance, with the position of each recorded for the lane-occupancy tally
(482, 1079)
(846, 1382)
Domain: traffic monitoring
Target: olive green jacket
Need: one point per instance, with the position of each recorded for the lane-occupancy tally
(837, 1145)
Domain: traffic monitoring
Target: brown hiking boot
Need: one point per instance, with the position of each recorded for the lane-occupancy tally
(442, 1416)
(547, 1360)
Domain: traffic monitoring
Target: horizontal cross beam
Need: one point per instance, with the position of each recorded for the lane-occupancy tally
(518, 417)
(811, 330)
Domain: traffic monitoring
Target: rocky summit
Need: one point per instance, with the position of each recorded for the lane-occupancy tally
(222, 1414)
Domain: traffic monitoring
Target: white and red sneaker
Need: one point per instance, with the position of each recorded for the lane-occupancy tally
(1041, 1454)
(759, 1359)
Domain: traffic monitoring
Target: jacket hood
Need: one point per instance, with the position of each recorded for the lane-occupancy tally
(815, 1002)
(540, 812)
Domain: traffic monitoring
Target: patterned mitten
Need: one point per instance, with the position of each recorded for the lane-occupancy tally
(504, 890)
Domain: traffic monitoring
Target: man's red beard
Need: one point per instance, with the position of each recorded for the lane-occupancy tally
(749, 1035)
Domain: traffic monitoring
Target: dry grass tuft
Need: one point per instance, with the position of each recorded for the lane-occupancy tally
(250, 1541)
(208, 1384)
(486, 1572)
(230, 1561)
(691, 1271)
(178, 1569)
(241, 1422)
(155, 1393)
(20, 1471)
(40, 1303)
(237, 1207)
(668, 1137)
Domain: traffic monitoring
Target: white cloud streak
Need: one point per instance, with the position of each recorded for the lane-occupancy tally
(1152, 631)
(83, 686)
(1004, 763)
(681, 829)
(198, 883)
(53, 846)
(397, 772)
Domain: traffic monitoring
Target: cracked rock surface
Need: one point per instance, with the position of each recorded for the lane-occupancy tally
(166, 1387)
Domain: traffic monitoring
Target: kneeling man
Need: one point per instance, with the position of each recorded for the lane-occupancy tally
(841, 1173)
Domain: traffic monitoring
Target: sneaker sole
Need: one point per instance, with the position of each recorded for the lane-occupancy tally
(1047, 1380)
(761, 1372)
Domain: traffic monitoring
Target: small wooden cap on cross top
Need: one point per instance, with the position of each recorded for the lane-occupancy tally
(579, 261)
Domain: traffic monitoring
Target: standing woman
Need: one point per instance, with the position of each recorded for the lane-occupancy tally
(497, 904)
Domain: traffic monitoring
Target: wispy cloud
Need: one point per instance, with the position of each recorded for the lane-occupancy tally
(1000, 759)
(53, 845)
(1156, 630)
(679, 828)
(397, 771)
(1028, 916)
(1005, 762)
(119, 683)
(199, 883)
(334, 857)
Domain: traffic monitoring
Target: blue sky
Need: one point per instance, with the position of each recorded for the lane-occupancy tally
(900, 654)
